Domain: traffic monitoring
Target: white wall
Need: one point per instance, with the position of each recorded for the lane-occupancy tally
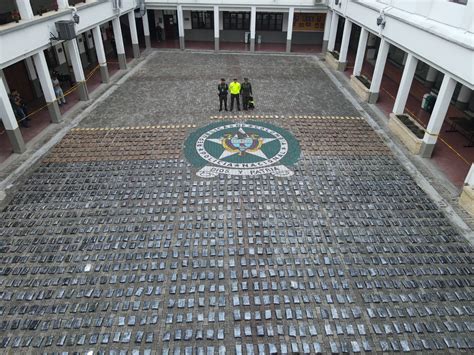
(188, 25)
(159, 18)
(443, 11)
(284, 27)
(152, 3)
(452, 14)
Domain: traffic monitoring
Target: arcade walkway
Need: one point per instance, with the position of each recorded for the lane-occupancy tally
(451, 154)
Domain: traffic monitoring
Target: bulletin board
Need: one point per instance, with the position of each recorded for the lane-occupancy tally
(309, 22)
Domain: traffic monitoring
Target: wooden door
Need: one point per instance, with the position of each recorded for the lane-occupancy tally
(171, 27)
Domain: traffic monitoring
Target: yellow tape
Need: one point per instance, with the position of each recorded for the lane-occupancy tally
(92, 72)
(455, 151)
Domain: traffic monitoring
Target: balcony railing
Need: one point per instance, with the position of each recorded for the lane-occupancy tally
(8, 12)
(40, 7)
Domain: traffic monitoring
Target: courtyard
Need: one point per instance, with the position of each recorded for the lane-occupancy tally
(160, 226)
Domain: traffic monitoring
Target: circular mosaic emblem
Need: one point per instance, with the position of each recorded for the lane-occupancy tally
(242, 148)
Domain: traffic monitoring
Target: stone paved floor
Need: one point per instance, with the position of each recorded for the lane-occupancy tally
(182, 88)
(113, 243)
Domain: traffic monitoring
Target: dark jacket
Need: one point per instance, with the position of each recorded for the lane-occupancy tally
(246, 89)
(223, 89)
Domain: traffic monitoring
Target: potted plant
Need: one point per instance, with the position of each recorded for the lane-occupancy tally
(364, 80)
(332, 59)
(361, 85)
(15, 16)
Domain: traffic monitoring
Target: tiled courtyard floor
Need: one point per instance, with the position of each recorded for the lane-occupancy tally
(114, 244)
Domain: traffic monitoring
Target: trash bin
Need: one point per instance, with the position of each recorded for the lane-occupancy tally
(247, 35)
(259, 39)
(428, 102)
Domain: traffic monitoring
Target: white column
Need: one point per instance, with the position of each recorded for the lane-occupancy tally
(359, 61)
(346, 35)
(179, 11)
(4, 80)
(405, 57)
(99, 49)
(405, 84)
(333, 32)
(216, 27)
(470, 177)
(30, 67)
(371, 48)
(75, 57)
(25, 10)
(464, 96)
(289, 31)
(6, 111)
(133, 33)
(9, 121)
(119, 43)
(327, 30)
(466, 200)
(253, 24)
(437, 116)
(378, 71)
(47, 86)
(146, 30)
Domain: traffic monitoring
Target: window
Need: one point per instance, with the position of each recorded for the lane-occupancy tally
(236, 20)
(8, 12)
(202, 19)
(40, 7)
(269, 21)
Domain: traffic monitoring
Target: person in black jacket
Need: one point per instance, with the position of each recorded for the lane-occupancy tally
(246, 92)
(222, 91)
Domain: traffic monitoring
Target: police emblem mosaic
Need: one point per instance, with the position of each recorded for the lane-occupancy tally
(242, 148)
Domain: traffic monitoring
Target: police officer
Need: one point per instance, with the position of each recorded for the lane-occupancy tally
(234, 88)
(246, 92)
(222, 91)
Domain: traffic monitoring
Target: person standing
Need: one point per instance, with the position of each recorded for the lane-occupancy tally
(58, 90)
(234, 88)
(222, 91)
(246, 92)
